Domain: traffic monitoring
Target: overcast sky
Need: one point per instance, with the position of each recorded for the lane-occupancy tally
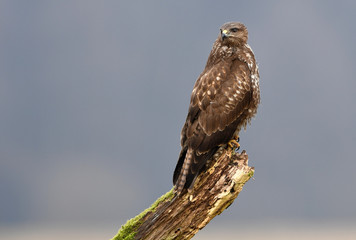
(93, 95)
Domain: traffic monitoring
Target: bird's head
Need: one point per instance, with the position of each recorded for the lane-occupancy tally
(233, 34)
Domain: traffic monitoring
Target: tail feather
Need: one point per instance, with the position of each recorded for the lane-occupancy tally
(188, 168)
(179, 165)
(180, 183)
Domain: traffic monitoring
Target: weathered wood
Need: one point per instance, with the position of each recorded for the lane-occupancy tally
(172, 217)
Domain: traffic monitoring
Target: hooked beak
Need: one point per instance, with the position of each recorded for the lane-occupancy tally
(224, 34)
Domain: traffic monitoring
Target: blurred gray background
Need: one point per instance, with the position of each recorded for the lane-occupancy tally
(93, 95)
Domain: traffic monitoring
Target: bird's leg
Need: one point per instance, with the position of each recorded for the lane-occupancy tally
(234, 143)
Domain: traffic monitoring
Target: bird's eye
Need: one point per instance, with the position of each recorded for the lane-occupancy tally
(234, 29)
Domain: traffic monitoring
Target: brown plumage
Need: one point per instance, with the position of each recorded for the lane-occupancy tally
(224, 99)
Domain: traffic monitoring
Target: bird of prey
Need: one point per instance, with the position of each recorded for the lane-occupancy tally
(224, 99)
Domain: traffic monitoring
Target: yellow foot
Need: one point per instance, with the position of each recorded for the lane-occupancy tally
(234, 143)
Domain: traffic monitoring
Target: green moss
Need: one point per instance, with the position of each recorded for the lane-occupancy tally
(128, 231)
(251, 173)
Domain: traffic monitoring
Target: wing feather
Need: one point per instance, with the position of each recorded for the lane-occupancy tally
(218, 105)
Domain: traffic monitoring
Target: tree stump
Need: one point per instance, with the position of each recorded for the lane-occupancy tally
(181, 217)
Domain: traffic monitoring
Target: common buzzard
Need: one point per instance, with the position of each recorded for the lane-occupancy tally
(224, 99)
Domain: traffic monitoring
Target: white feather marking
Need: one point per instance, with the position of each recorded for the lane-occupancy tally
(248, 46)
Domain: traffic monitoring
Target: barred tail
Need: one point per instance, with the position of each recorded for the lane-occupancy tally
(179, 186)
